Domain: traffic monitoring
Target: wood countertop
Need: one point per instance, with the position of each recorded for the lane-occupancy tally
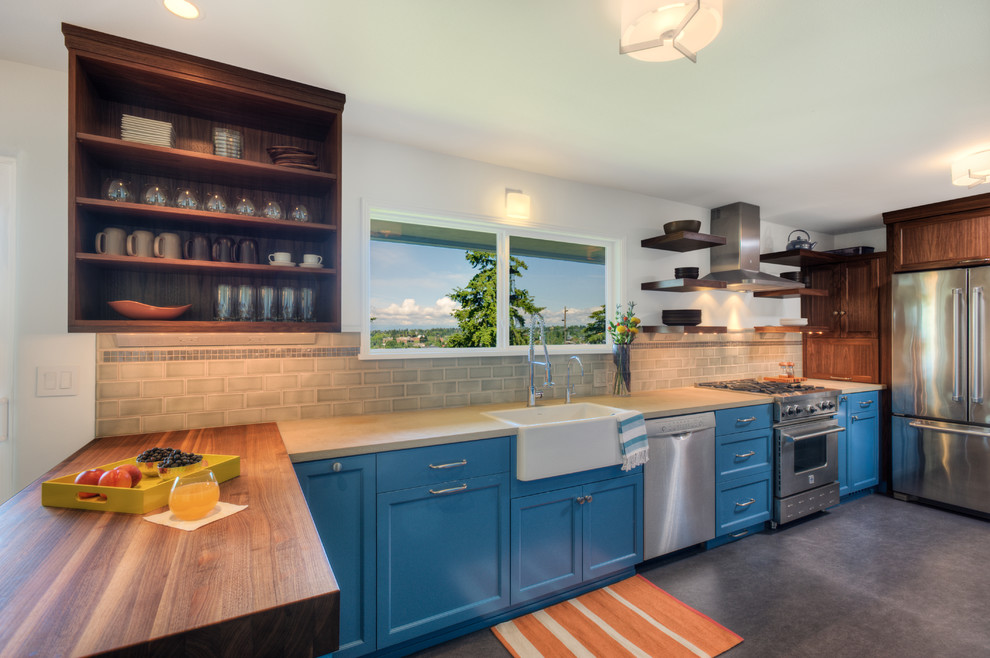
(75, 582)
(341, 436)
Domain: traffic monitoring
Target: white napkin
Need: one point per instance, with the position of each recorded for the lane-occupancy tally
(172, 521)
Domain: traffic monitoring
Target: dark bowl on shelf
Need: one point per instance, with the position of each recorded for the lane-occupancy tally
(689, 225)
(793, 276)
(686, 272)
(681, 317)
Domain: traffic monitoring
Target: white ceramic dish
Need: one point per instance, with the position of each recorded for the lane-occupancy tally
(793, 322)
(281, 263)
(315, 266)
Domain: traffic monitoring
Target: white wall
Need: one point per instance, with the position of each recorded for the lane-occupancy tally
(33, 120)
(410, 178)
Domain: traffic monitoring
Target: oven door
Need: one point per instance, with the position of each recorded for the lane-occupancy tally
(807, 456)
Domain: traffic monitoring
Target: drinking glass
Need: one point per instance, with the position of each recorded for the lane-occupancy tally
(307, 304)
(299, 213)
(186, 198)
(289, 307)
(271, 209)
(244, 206)
(245, 303)
(194, 496)
(267, 303)
(155, 194)
(215, 202)
(223, 302)
(118, 189)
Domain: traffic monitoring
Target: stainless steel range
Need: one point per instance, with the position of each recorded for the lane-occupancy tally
(805, 445)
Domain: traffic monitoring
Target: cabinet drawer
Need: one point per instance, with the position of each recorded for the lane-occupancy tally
(402, 469)
(863, 405)
(742, 454)
(740, 419)
(741, 503)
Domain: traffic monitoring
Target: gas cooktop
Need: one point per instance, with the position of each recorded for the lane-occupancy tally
(765, 387)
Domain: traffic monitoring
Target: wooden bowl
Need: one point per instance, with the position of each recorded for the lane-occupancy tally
(689, 225)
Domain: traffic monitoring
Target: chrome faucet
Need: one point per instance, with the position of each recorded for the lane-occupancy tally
(533, 393)
(570, 387)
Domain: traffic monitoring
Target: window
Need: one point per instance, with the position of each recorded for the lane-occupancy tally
(448, 286)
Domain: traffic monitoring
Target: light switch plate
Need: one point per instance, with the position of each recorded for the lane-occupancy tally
(57, 381)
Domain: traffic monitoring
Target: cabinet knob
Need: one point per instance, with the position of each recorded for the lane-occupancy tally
(580, 500)
(336, 467)
(588, 498)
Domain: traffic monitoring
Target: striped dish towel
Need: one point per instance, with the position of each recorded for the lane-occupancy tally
(632, 439)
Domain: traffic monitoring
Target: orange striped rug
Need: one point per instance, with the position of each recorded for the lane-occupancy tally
(633, 617)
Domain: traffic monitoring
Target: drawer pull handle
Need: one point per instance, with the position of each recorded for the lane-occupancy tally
(746, 455)
(451, 490)
(866, 404)
(737, 535)
(855, 417)
(842, 379)
(746, 420)
(747, 503)
(463, 462)
(337, 466)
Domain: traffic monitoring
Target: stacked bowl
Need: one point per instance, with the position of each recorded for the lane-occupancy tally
(687, 317)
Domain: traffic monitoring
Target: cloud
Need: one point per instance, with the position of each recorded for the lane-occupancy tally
(411, 314)
(575, 316)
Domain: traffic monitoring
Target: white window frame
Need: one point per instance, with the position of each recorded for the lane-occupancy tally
(503, 229)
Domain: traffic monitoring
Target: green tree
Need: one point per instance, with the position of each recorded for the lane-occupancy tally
(477, 318)
(594, 331)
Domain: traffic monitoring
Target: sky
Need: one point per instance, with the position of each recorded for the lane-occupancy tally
(410, 285)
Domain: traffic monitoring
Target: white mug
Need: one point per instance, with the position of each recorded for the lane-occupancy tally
(140, 243)
(313, 259)
(168, 245)
(280, 257)
(111, 241)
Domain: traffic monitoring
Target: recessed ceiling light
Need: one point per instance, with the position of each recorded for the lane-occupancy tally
(182, 8)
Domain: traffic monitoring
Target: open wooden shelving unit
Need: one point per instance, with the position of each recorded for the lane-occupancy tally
(110, 76)
(683, 241)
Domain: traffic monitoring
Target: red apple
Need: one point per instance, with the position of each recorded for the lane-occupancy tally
(116, 477)
(92, 476)
(134, 472)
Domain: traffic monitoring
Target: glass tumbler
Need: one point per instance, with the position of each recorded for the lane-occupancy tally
(268, 303)
(223, 302)
(307, 304)
(245, 303)
(288, 304)
(194, 496)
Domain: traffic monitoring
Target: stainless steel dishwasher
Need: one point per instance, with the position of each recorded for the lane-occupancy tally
(679, 483)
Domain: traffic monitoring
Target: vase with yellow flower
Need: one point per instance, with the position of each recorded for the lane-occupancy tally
(623, 330)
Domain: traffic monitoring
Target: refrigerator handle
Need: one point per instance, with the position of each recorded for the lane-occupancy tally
(957, 343)
(976, 339)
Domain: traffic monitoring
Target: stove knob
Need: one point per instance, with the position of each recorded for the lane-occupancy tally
(829, 404)
(798, 410)
(811, 409)
(789, 410)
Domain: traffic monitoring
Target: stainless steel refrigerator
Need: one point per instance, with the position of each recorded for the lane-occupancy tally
(941, 426)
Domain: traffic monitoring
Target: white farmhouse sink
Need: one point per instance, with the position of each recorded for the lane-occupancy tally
(561, 439)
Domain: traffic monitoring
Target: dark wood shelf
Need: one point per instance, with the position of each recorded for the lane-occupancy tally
(664, 329)
(162, 161)
(792, 292)
(807, 329)
(683, 285)
(142, 264)
(800, 258)
(683, 241)
(168, 326)
(203, 220)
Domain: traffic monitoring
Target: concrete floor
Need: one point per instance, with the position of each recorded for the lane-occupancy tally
(873, 577)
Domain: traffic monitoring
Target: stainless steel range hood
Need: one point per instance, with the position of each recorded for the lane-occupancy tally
(737, 262)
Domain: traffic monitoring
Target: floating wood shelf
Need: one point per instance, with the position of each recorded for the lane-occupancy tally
(683, 285)
(806, 329)
(800, 258)
(140, 263)
(663, 329)
(792, 292)
(682, 241)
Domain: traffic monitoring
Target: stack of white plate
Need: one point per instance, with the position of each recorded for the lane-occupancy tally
(147, 131)
(228, 143)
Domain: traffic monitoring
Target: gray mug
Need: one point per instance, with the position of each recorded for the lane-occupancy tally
(111, 240)
(140, 243)
(196, 248)
(168, 245)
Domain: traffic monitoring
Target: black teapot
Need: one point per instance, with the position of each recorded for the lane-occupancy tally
(798, 243)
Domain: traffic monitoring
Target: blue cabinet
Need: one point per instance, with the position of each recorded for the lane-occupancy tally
(564, 537)
(859, 445)
(443, 546)
(341, 497)
(743, 470)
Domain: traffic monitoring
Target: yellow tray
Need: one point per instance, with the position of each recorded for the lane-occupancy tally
(150, 493)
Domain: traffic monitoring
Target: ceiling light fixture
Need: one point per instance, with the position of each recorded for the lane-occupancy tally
(182, 8)
(662, 30)
(516, 204)
(972, 170)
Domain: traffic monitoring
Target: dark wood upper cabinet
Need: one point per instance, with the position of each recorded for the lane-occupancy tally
(110, 76)
(851, 309)
(939, 235)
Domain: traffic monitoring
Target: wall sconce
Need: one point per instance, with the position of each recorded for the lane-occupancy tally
(972, 170)
(663, 30)
(516, 204)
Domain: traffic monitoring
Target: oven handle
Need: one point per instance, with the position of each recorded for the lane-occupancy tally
(813, 435)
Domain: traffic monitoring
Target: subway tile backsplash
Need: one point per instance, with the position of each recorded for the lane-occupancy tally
(152, 390)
